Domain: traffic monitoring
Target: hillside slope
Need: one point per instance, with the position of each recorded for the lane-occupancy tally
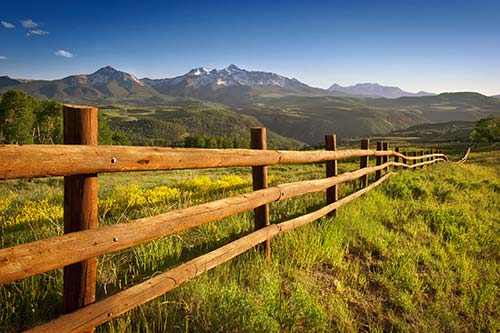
(170, 125)
(309, 118)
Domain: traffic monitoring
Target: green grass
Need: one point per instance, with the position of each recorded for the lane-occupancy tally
(419, 253)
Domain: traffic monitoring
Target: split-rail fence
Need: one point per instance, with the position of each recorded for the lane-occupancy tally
(80, 159)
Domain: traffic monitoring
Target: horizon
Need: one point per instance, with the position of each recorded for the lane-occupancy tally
(209, 68)
(450, 46)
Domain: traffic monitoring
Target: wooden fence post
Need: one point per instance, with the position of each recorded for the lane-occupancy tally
(396, 158)
(259, 179)
(421, 159)
(332, 193)
(363, 162)
(385, 159)
(80, 207)
(378, 173)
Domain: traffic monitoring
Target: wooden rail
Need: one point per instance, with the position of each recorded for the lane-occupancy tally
(34, 161)
(466, 156)
(80, 245)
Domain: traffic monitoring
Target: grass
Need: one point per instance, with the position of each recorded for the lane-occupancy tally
(419, 253)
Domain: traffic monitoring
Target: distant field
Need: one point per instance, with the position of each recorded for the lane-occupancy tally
(419, 253)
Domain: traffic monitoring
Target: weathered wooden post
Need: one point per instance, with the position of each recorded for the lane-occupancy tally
(378, 173)
(259, 179)
(332, 193)
(396, 158)
(80, 207)
(385, 159)
(363, 161)
(421, 159)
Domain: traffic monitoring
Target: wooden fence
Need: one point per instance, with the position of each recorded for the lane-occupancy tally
(80, 160)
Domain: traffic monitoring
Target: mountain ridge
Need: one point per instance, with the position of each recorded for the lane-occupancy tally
(375, 90)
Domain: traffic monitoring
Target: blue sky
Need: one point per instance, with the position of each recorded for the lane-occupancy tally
(417, 45)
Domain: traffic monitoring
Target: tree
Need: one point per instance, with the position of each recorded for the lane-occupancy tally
(48, 126)
(105, 134)
(487, 130)
(120, 139)
(17, 117)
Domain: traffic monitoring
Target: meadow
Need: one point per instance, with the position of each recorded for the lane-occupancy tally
(418, 253)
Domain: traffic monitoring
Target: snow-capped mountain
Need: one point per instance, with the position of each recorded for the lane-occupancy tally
(230, 76)
(375, 90)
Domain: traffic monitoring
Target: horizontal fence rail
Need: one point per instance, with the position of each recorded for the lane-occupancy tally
(85, 244)
(34, 161)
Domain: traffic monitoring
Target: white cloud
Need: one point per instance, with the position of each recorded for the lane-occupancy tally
(28, 23)
(7, 25)
(3, 58)
(39, 32)
(64, 54)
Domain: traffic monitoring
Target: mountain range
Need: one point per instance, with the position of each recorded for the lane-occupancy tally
(222, 85)
(374, 90)
(286, 106)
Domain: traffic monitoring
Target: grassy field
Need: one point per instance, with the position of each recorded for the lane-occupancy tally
(419, 253)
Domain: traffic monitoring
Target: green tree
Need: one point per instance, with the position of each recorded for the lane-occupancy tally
(487, 130)
(120, 139)
(105, 134)
(17, 117)
(48, 126)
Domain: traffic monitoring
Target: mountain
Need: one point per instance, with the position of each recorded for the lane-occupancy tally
(106, 85)
(374, 90)
(496, 96)
(230, 85)
(6, 81)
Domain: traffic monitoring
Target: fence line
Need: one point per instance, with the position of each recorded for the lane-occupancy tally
(80, 161)
(34, 161)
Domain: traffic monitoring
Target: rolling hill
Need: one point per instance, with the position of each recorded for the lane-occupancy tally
(309, 118)
(170, 125)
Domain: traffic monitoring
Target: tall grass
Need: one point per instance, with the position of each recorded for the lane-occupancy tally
(419, 253)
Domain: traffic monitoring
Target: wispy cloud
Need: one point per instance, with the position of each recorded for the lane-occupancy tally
(38, 32)
(28, 23)
(3, 58)
(7, 25)
(64, 54)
